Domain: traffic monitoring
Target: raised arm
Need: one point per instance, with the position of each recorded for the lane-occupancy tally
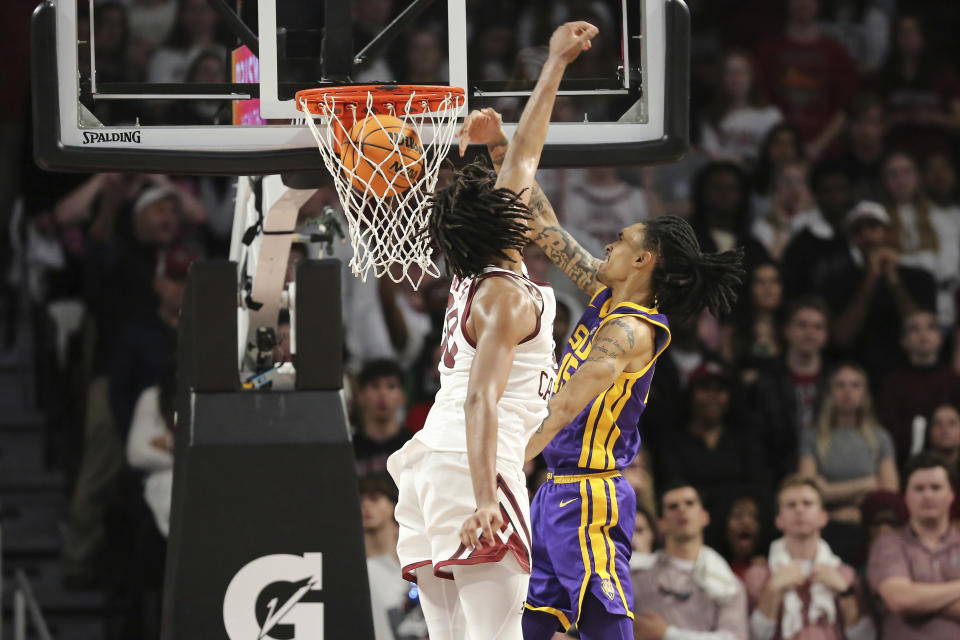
(523, 156)
(623, 344)
(500, 317)
(564, 251)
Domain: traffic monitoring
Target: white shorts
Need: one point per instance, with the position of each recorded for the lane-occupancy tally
(436, 496)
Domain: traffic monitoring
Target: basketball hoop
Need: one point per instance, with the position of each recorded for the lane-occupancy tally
(385, 209)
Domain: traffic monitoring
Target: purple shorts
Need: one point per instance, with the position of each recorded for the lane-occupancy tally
(582, 533)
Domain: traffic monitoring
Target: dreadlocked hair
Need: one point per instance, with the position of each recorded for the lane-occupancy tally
(686, 280)
(473, 223)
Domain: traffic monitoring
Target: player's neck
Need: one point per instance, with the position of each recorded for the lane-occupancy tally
(635, 291)
(513, 264)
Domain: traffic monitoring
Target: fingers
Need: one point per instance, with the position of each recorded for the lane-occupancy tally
(587, 35)
(490, 528)
(488, 533)
(479, 531)
(583, 30)
(464, 136)
(582, 26)
(480, 123)
(464, 133)
(572, 38)
(468, 533)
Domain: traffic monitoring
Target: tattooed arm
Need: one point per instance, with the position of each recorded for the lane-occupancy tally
(485, 126)
(623, 344)
(562, 249)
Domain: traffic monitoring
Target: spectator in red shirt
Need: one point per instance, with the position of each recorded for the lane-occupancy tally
(809, 76)
(915, 570)
(804, 591)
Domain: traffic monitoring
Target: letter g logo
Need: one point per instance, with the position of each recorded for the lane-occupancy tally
(265, 599)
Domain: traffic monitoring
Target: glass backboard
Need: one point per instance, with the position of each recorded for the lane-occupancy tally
(215, 94)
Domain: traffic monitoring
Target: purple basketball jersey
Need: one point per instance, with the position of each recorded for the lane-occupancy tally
(604, 435)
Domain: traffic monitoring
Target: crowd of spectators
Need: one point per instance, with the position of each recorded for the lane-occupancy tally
(824, 142)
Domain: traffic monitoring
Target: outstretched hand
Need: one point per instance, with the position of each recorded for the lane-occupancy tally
(482, 126)
(570, 39)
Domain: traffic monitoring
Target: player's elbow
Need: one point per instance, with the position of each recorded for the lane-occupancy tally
(519, 168)
(563, 410)
(479, 401)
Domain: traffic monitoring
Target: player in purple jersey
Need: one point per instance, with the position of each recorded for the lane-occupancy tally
(583, 516)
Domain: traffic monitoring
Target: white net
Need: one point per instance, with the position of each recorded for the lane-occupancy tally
(384, 191)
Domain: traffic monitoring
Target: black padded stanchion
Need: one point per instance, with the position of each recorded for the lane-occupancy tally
(319, 325)
(266, 538)
(211, 342)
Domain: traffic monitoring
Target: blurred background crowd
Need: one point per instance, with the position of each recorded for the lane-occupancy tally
(824, 142)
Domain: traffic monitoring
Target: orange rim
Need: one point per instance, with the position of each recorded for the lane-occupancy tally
(428, 97)
(383, 98)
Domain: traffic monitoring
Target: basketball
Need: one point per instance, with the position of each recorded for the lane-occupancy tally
(385, 156)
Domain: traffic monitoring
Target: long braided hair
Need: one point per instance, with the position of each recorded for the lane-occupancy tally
(685, 280)
(473, 223)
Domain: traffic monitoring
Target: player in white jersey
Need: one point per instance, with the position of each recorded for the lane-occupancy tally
(463, 509)
(529, 383)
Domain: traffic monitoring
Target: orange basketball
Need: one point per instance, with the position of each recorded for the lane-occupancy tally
(386, 155)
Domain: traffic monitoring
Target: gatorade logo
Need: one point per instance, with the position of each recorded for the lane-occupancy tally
(276, 596)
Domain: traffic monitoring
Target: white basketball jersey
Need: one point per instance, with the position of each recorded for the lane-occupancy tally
(524, 402)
